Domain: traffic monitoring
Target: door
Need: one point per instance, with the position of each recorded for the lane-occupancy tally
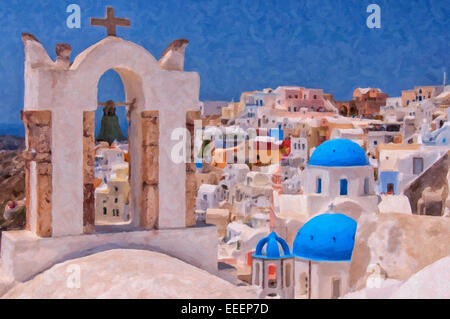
(303, 285)
(336, 288)
(390, 188)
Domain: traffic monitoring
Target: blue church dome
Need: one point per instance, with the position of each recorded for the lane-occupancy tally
(272, 244)
(326, 237)
(337, 153)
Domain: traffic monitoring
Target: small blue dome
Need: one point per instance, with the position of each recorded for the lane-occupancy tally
(272, 243)
(326, 237)
(198, 163)
(337, 153)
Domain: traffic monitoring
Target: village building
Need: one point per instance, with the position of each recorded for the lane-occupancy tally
(383, 133)
(212, 108)
(208, 196)
(112, 197)
(418, 94)
(429, 194)
(106, 159)
(388, 111)
(294, 98)
(401, 164)
(369, 101)
(347, 108)
(232, 175)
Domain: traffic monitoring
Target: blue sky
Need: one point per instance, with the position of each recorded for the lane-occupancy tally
(239, 45)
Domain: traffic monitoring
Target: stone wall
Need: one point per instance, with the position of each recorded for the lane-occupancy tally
(401, 244)
(150, 169)
(38, 129)
(88, 171)
(20, 250)
(191, 183)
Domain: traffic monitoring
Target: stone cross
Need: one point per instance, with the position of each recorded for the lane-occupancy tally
(110, 22)
(331, 208)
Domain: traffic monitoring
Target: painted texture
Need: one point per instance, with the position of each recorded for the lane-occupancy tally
(241, 45)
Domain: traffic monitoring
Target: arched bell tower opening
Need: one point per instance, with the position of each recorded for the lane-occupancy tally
(112, 192)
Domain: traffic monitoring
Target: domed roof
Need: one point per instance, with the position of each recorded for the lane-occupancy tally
(337, 153)
(326, 237)
(272, 244)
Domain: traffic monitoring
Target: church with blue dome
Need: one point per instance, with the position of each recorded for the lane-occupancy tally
(326, 237)
(273, 268)
(339, 153)
(318, 266)
(339, 172)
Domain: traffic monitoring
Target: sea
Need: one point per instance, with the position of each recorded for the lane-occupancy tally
(12, 129)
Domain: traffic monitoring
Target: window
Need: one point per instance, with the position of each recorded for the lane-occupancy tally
(116, 200)
(116, 189)
(272, 276)
(257, 270)
(375, 142)
(105, 211)
(205, 197)
(288, 275)
(319, 186)
(417, 165)
(303, 146)
(366, 186)
(344, 186)
(315, 97)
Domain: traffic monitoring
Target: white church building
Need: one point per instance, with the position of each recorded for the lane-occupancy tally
(338, 172)
(317, 268)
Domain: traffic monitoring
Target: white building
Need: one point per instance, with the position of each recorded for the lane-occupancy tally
(208, 197)
(299, 147)
(399, 164)
(105, 159)
(338, 172)
(317, 268)
(112, 197)
(233, 174)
